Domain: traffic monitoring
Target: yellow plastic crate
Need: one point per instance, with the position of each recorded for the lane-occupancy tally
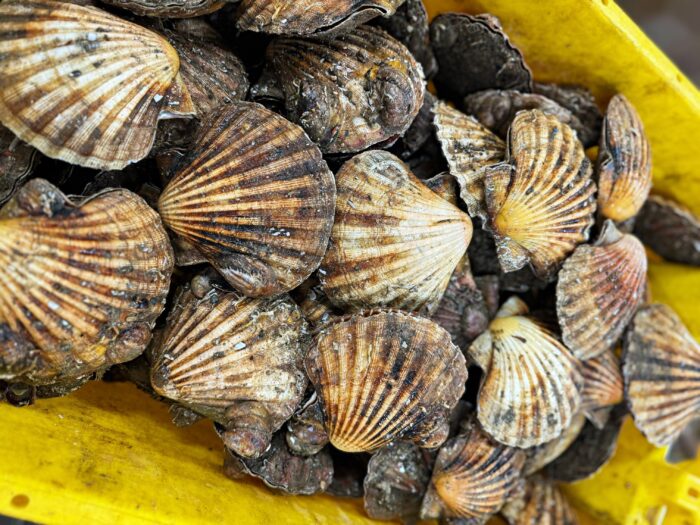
(109, 454)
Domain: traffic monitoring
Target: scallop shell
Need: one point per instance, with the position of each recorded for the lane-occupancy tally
(168, 8)
(661, 369)
(17, 162)
(473, 54)
(109, 83)
(82, 283)
(314, 303)
(600, 288)
(310, 17)
(542, 206)
(542, 503)
(531, 389)
(469, 148)
(236, 360)
(386, 376)
(348, 93)
(602, 386)
(306, 434)
(473, 477)
(445, 185)
(394, 242)
(582, 104)
(671, 230)
(256, 198)
(542, 455)
(624, 162)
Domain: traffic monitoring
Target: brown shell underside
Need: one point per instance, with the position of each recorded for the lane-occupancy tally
(541, 201)
(600, 288)
(395, 242)
(256, 198)
(383, 377)
(351, 92)
(661, 369)
(169, 8)
(602, 382)
(81, 284)
(307, 17)
(542, 503)
(17, 162)
(624, 162)
(82, 85)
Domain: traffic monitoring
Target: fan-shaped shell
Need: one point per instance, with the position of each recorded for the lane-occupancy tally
(255, 198)
(473, 477)
(469, 148)
(542, 503)
(350, 92)
(236, 360)
(394, 242)
(81, 284)
(671, 230)
(168, 8)
(17, 162)
(84, 86)
(308, 17)
(600, 288)
(602, 385)
(541, 207)
(661, 369)
(582, 104)
(532, 383)
(386, 376)
(624, 162)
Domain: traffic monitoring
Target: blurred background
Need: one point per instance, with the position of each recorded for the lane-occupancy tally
(675, 27)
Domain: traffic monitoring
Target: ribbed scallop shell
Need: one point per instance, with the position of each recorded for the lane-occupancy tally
(532, 384)
(394, 242)
(308, 17)
(542, 503)
(600, 288)
(386, 376)
(81, 284)
(542, 206)
(469, 148)
(473, 477)
(661, 369)
(168, 8)
(671, 230)
(256, 198)
(81, 85)
(350, 92)
(602, 385)
(230, 357)
(624, 162)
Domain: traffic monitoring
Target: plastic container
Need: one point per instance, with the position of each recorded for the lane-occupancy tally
(109, 454)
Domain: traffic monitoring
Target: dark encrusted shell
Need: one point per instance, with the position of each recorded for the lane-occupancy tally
(661, 369)
(624, 162)
(350, 92)
(671, 230)
(397, 477)
(236, 360)
(17, 162)
(600, 288)
(582, 104)
(306, 435)
(473, 54)
(386, 376)
(255, 197)
(168, 8)
(541, 503)
(82, 282)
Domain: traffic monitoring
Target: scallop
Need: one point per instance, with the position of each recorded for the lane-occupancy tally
(109, 82)
(582, 104)
(541, 503)
(386, 376)
(603, 388)
(661, 369)
(82, 282)
(255, 197)
(469, 149)
(314, 303)
(531, 388)
(236, 360)
(17, 162)
(542, 455)
(624, 162)
(540, 201)
(348, 93)
(395, 242)
(670, 229)
(168, 8)
(310, 17)
(472, 478)
(600, 288)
